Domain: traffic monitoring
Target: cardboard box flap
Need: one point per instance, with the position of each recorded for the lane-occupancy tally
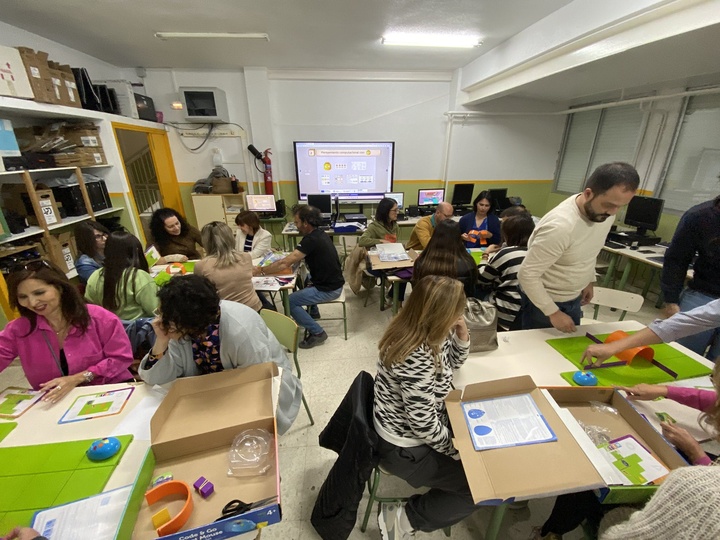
(203, 412)
(520, 472)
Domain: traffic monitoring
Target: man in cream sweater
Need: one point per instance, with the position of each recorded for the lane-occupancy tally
(557, 275)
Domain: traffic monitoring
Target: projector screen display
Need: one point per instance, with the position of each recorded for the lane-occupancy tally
(354, 171)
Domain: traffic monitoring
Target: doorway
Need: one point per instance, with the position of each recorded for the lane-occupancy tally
(149, 169)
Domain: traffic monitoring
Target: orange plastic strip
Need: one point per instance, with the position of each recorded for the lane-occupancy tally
(166, 489)
(628, 355)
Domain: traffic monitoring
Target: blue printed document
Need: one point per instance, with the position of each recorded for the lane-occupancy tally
(506, 421)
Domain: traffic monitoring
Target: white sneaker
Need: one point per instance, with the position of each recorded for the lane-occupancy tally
(389, 522)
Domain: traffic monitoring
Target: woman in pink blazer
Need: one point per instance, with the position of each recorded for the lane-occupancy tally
(61, 341)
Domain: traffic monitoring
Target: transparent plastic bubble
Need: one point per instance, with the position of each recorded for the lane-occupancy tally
(251, 453)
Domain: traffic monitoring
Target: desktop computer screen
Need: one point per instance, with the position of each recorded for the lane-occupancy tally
(430, 197)
(462, 195)
(499, 199)
(322, 202)
(644, 213)
(398, 197)
(260, 203)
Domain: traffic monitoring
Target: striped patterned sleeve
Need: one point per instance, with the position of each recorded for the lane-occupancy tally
(456, 351)
(417, 388)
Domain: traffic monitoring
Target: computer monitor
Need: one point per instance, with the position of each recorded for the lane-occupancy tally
(260, 203)
(499, 199)
(398, 197)
(321, 201)
(644, 213)
(462, 195)
(430, 197)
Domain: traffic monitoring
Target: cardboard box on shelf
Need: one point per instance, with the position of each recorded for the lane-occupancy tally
(59, 250)
(58, 87)
(191, 440)
(70, 86)
(567, 465)
(36, 67)
(48, 207)
(12, 198)
(82, 135)
(14, 81)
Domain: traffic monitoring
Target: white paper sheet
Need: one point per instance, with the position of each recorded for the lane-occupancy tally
(137, 421)
(95, 517)
(392, 252)
(506, 421)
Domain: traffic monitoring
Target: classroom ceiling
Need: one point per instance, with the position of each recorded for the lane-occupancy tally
(307, 34)
(685, 60)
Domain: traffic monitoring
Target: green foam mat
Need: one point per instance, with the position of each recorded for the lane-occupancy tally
(640, 371)
(5, 429)
(163, 277)
(37, 477)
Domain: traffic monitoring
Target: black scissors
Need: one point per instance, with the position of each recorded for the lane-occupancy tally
(237, 507)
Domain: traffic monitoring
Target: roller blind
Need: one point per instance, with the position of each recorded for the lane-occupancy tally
(693, 175)
(597, 137)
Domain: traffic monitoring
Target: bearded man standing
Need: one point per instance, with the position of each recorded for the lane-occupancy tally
(558, 273)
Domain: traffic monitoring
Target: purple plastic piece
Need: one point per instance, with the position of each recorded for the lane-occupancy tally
(204, 487)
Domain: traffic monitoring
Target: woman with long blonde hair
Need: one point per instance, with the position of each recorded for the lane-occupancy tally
(228, 269)
(419, 351)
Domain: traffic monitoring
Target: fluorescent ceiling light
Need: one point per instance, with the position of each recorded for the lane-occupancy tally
(211, 35)
(431, 40)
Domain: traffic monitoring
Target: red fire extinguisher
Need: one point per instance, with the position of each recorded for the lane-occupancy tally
(267, 175)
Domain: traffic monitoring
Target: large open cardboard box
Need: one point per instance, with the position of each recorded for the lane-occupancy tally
(568, 465)
(191, 433)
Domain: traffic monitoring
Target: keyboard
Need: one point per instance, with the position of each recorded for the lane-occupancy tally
(614, 245)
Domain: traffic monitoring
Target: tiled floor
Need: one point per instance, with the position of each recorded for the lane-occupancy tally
(328, 372)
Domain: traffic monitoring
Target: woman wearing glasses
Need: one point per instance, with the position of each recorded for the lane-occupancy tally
(197, 334)
(61, 341)
(90, 238)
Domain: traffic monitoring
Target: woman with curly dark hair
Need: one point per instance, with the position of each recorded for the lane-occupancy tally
(197, 333)
(61, 341)
(172, 235)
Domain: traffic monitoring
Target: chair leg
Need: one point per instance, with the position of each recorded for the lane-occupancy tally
(307, 409)
(345, 319)
(373, 484)
(496, 520)
(447, 532)
(297, 364)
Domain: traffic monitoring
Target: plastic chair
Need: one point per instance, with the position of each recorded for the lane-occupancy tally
(373, 485)
(616, 299)
(339, 300)
(286, 331)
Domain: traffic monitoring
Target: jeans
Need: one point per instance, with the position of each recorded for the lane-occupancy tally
(532, 317)
(449, 499)
(310, 296)
(698, 343)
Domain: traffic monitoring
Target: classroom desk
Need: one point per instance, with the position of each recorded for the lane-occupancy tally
(291, 233)
(39, 425)
(284, 290)
(525, 352)
(633, 256)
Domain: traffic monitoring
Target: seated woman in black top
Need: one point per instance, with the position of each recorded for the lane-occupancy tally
(445, 255)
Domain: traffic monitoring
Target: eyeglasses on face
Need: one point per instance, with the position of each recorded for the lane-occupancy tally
(100, 236)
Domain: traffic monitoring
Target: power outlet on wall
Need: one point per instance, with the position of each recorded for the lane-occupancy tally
(217, 132)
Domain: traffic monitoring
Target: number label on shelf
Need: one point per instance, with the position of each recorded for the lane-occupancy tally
(67, 255)
(48, 212)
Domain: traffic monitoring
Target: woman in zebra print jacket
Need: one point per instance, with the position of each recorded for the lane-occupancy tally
(421, 348)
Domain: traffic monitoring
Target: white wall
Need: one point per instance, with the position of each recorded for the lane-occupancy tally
(161, 85)
(12, 36)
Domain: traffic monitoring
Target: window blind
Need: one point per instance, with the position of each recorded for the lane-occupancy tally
(693, 175)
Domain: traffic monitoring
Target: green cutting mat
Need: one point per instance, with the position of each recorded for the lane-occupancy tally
(36, 477)
(6, 428)
(640, 371)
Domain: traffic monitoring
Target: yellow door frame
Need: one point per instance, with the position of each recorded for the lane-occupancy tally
(164, 166)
